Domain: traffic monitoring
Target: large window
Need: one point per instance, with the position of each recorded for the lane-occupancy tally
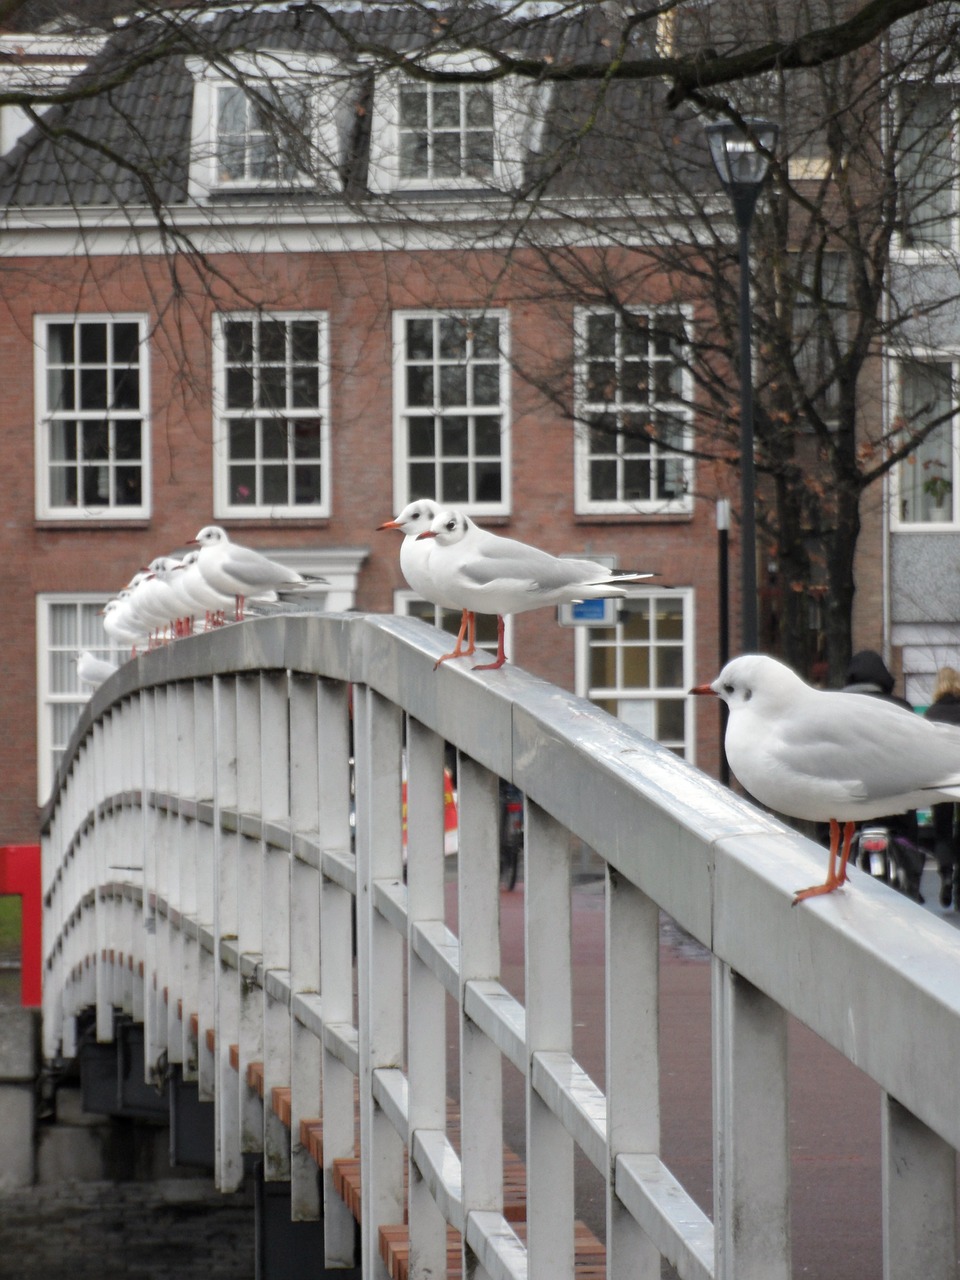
(91, 393)
(451, 380)
(926, 480)
(66, 626)
(633, 415)
(928, 165)
(641, 668)
(262, 136)
(271, 434)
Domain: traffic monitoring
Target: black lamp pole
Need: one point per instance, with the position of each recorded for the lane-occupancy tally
(742, 161)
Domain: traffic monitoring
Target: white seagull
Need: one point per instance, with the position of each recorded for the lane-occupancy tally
(484, 573)
(830, 756)
(93, 670)
(242, 572)
(194, 587)
(415, 519)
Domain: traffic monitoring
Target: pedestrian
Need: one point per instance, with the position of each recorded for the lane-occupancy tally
(946, 834)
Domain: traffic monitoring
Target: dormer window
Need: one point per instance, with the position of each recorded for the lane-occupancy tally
(446, 131)
(431, 135)
(273, 120)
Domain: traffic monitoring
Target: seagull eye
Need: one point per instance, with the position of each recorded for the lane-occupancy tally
(451, 525)
(728, 688)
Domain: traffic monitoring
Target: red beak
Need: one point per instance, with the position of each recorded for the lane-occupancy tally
(427, 533)
(388, 524)
(703, 688)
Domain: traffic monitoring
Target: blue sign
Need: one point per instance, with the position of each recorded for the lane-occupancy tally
(589, 611)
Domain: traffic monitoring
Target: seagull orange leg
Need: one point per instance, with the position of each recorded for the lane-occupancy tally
(457, 651)
(835, 876)
(501, 655)
(471, 635)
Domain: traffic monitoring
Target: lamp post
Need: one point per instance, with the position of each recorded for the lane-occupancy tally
(742, 161)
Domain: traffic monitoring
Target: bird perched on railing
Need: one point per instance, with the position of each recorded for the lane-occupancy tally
(93, 670)
(830, 756)
(413, 520)
(482, 572)
(243, 573)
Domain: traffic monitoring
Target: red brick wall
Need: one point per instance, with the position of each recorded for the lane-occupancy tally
(359, 292)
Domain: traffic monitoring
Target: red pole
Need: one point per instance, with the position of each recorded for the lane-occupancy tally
(20, 874)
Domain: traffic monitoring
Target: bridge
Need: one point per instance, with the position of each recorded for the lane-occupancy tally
(243, 863)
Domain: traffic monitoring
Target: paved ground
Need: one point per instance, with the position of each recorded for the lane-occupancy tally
(182, 1229)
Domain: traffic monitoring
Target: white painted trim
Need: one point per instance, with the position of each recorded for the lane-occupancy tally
(41, 455)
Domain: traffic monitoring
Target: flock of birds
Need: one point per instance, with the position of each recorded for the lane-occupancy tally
(807, 753)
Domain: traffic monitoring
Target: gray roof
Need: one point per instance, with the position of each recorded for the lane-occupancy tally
(128, 144)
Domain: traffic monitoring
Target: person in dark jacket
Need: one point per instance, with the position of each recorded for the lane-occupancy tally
(946, 834)
(868, 673)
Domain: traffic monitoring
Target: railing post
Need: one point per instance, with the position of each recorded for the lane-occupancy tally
(481, 1067)
(305, 1049)
(919, 1178)
(377, 741)
(633, 1063)
(548, 995)
(275, 810)
(229, 1087)
(337, 915)
(751, 1139)
(249, 907)
(206, 844)
(187, 751)
(426, 1035)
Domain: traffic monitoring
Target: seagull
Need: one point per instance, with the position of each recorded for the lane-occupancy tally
(121, 625)
(484, 573)
(93, 670)
(242, 572)
(830, 756)
(415, 518)
(194, 587)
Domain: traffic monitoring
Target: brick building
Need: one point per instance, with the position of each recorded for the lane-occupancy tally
(201, 322)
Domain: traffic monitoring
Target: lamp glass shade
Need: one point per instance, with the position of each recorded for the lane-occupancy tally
(742, 159)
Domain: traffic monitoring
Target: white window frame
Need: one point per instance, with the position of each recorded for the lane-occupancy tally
(333, 90)
(45, 510)
(223, 507)
(626, 695)
(403, 600)
(401, 487)
(48, 698)
(951, 240)
(949, 522)
(519, 109)
(681, 409)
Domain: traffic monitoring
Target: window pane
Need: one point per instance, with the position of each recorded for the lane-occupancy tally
(454, 436)
(127, 441)
(96, 441)
(273, 387)
(239, 389)
(486, 338)
(414, 155)
(60, 393)
(453, 384)
(273, 438)
(488, 482)
(603, 481)
(63, 625)
(413, 107)
(419, 385)
(273, 341)
(126, 343)
(126, 389)
(601, 335)
(422, 480)
(487, 436)
(305, 341)
(93, 343)
(239, 341)
(446, 107)
(306, 437)
(421, 436)
(671, 720)
(636, 667)
(63, 487)
(275, 486)
(306, 388)
(486, 384)
(243, 485)
(129, 487)
(60, 343)
(242, 438)
(446, 155)
(479, 107)
(455, 478)
(96, 486)
(419, 339)
(307, 485)
(669, 668)
(636, 619)
(93, 388)
(453, 339)
(603, 666)
(63, 441)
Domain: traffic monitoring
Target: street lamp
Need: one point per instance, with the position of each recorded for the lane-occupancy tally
(742, 160)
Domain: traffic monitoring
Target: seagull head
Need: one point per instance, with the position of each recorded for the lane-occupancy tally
(754, 675)
(211, 535)
(414, 518)
(448, 527)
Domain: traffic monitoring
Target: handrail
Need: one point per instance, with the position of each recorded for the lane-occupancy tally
(220, 769)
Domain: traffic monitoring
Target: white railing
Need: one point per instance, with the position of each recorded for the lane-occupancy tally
(199, 858)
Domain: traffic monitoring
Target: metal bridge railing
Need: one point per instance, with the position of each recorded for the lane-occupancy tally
(231, 805)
